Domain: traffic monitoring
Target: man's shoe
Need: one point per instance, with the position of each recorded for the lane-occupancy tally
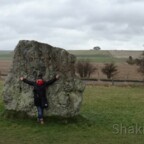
(41, 121)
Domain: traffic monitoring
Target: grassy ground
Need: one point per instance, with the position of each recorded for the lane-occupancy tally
(109, 115)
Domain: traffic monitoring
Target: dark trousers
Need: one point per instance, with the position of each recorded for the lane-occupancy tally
(40, 112)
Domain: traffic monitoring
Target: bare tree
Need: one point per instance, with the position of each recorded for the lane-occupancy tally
(80, 69)
(140, 63)
(130, 60)
(110, 70)
(85, 69)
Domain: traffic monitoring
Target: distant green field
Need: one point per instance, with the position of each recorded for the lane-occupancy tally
(101, 56)
(109, 115)
(90, 52)
(100, 59)
(6, 55)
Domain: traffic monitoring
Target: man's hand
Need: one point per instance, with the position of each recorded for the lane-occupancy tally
(21, 78)
(57, 76)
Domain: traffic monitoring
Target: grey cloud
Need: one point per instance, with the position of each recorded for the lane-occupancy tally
(9, 2)
(128, 1)
(71, 23)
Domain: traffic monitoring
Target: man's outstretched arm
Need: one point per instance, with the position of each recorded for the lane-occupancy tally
(27, 81)
(52, 80)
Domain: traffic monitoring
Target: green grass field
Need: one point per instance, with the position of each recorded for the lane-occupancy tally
(103, 108)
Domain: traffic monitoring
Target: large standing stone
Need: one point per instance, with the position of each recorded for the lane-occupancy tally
(30, 59)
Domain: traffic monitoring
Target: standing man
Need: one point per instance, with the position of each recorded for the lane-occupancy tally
(39, 90)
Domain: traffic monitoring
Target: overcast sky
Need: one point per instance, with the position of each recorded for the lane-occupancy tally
(73, 24)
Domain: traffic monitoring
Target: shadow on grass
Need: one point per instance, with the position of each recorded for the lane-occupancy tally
(78, 120)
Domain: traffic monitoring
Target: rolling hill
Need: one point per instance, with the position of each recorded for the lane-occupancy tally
(97, 57)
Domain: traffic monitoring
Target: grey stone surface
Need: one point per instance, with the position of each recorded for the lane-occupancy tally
(30, 59)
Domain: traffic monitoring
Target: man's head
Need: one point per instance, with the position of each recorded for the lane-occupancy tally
(40, 76)
(40, 81)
